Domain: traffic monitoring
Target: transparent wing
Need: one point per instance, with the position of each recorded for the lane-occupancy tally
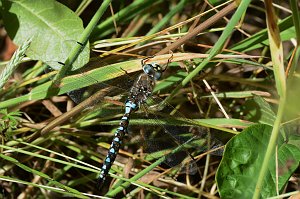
(88, 78)
(163, 132)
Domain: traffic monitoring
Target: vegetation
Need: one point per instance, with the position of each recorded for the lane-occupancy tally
(232, 70)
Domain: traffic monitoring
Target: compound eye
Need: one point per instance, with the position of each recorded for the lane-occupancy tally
(148, 68)
(157, 75)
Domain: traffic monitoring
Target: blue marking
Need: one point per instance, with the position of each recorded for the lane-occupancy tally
(127, 108)
(124, 118)
(116, 139)
(130, 106)
(107, 160)
(133, 106)
(112, 150)
(103, 167)
(121, 128)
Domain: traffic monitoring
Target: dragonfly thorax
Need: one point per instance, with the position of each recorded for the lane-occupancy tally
(153, 70)
(142, 88)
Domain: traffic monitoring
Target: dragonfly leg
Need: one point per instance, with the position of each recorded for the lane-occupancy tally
(143, 61)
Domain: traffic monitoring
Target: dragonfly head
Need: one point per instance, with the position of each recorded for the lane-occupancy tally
(153, 70)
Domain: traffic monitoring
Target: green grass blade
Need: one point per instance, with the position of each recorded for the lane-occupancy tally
(43, 175)
(48, 158)
(260, 39)
(278, 66)
(127, 13)
(177, 8)
(217, 47)
(54, 189)
(74, 82)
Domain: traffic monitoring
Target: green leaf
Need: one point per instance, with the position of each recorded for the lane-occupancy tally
(260, 111)
(267, 114)
(53, 27)
(238, 172)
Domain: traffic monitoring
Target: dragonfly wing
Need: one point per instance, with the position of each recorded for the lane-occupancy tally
(169, 133)
(159, 139)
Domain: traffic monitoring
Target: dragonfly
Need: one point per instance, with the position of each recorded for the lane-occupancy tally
(139, 96)
(139, 93)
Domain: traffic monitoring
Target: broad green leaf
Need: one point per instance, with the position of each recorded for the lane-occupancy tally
(237, 174)
(53, 27)
(267, 114)
(260, 111)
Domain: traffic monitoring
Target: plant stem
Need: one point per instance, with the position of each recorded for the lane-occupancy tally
(83, 40)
